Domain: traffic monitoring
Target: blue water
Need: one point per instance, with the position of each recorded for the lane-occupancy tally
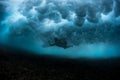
(90, 33)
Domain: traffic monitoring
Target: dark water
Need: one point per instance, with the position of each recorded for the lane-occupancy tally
(19, 64)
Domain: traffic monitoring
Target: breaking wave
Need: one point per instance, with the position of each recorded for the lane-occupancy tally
(62, 23)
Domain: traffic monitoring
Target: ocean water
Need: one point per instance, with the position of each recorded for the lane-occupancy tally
(65, 28)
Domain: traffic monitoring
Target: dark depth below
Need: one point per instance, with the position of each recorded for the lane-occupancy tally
(18, 65)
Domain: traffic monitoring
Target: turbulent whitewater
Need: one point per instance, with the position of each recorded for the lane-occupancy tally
(63, 26)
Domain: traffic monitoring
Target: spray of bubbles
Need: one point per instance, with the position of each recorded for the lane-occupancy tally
(63, 23)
